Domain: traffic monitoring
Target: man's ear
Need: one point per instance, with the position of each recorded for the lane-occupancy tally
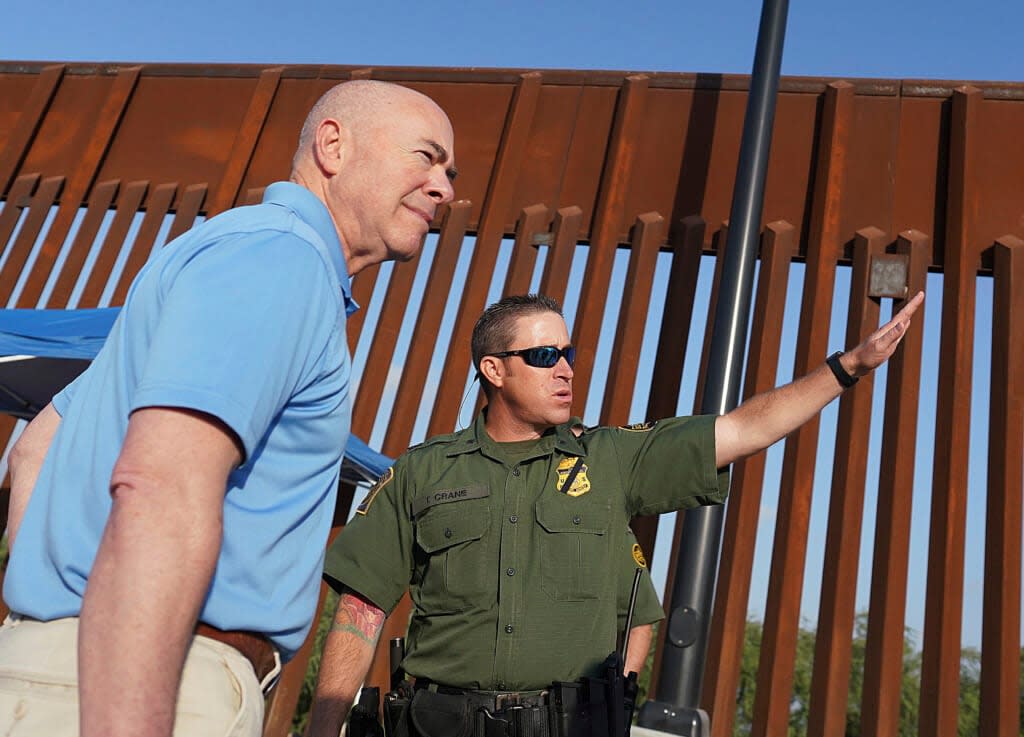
(492, 370)
(330, 146)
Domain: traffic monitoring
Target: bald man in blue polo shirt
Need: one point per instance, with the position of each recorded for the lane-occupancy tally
(169, 510)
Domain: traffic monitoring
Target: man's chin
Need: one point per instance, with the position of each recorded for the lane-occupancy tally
(407, 249)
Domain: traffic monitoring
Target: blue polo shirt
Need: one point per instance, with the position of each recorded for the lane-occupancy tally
(243, 318)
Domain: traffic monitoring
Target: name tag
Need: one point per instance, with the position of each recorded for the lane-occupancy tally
(446, 496)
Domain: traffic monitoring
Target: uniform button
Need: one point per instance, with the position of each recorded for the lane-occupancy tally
(447, 531)
(515, 471)
(577, 519)
(511, 571)
(514, 518)
(509, 628)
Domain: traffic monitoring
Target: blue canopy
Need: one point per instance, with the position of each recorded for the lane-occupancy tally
(41, 351)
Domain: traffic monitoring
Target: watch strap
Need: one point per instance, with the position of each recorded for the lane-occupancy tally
(845, 380)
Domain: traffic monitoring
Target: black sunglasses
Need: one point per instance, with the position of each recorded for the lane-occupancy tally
(542, 356)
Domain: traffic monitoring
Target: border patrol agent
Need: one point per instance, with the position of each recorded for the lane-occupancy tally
(507, 561)
(506, 533)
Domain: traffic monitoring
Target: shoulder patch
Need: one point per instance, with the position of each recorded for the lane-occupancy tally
(638, 426)
(638, 555)
(384, 480)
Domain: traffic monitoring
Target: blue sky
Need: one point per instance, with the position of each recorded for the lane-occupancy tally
(940, 39)
(912, 39)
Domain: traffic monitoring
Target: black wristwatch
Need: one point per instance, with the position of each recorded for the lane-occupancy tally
(845, 380)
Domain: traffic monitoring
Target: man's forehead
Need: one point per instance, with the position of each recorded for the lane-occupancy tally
(427, 124)
(548, 325)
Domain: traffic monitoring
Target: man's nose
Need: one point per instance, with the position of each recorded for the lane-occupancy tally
(440, 188)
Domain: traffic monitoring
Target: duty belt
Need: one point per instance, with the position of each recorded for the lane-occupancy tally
(594, 706)
(438, 710)
(490, 700)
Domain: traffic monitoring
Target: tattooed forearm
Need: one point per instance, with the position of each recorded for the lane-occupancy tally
(359, 617)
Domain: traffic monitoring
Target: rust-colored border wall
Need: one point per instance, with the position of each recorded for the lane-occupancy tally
(102, 163)
(655, 142)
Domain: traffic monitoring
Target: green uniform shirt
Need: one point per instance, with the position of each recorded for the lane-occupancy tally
(513, 572)
(648, 609)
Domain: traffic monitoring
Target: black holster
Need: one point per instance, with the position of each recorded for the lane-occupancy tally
(436, 714)
(396, 711)
(594, 707)
(363, 722)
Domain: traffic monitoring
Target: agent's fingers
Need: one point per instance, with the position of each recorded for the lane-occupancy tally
(894, 330)
(910, 308)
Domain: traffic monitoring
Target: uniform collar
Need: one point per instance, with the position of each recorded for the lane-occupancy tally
(562, 439)
(566, 440)
(312, 211)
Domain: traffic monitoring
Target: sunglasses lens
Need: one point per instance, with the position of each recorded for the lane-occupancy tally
(547, 356)
(543, 357)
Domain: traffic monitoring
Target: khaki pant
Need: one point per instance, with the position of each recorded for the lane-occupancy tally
(219, 694)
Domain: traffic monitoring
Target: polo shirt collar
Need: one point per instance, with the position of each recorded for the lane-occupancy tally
(312, 211)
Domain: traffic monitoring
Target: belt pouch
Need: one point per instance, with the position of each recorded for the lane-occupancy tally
(396, 714)
(440, 715)
(529, 721)
(595, 706)
(563, 712)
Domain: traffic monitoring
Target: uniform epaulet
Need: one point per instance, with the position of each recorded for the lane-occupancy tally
(430, 442)
(639, 426)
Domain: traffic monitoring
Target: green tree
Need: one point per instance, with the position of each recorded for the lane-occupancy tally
(802, 674)
(910, 689)
(744, 717)
(969, 719)
(800, 700)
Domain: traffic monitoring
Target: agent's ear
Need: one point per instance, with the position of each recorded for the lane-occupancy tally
(492, 370)
(330, 146)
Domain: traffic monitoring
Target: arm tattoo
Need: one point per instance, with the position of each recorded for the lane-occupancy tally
(359, 617)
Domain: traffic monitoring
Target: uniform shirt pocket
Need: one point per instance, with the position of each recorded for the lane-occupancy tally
(573, 542)
(451, 555)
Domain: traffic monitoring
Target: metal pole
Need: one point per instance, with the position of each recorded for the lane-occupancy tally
(682, 666)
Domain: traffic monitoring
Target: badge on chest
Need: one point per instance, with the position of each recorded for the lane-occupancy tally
(572, 477)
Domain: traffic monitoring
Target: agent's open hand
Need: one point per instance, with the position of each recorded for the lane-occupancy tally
(880, 345)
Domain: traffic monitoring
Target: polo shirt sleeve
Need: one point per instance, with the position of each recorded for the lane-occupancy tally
(373, 553)
(62, 399)
(670, 464)
(240, 327)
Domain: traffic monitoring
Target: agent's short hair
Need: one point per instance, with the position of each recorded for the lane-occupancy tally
(495, 329)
